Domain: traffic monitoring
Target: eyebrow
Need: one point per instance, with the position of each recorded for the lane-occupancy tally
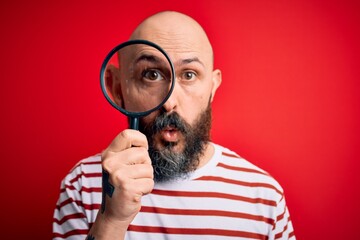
(148, 58)
(191, 60)
(155, 59)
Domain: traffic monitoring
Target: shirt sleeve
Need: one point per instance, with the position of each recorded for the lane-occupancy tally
(70, 221)
(283, 228)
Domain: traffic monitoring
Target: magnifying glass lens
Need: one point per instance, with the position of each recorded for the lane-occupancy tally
(137, 78)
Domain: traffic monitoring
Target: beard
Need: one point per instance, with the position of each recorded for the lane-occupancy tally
(169, 164)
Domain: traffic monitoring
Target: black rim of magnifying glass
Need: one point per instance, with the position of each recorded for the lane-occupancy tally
(102, 77)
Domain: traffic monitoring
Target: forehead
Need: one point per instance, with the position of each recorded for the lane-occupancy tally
(180, 41)
(183, 52)
(144, 55)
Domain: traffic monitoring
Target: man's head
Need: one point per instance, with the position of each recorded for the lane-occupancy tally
(179, 133)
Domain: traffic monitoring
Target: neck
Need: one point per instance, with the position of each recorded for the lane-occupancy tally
(208, 153)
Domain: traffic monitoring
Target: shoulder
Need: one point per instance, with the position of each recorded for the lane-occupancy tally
(86, 168)
(235, 167)
(233, 159)
(89, 164)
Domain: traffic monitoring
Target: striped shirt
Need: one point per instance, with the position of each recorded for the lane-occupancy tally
(228, 198)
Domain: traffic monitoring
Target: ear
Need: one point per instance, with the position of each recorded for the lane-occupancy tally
(216, 80)
(113, 84)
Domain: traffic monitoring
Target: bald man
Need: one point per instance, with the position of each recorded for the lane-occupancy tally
(168, 180)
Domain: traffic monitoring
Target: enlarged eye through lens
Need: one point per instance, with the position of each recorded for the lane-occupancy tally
(137, 78)
(152, 75)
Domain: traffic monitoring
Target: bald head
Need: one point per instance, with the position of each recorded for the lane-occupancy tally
(175, 33)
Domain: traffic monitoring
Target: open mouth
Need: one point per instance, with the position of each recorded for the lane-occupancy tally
(170, 134)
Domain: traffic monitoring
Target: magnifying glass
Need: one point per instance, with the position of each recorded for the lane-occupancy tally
(137, 78)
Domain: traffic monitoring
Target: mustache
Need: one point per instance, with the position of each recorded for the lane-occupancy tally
(169, 120)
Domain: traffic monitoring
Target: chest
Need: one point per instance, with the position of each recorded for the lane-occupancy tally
(180, 213)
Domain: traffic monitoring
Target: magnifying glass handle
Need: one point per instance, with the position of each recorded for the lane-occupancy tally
(134, 123)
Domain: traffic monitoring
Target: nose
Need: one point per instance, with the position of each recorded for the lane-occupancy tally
(172, 103)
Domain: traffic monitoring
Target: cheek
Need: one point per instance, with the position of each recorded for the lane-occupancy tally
(195, 102)
(195, 107)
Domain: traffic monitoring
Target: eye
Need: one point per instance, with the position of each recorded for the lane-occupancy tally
(152, 75)
(189, 75)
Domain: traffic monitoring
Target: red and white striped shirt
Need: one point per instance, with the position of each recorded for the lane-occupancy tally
(228, 198)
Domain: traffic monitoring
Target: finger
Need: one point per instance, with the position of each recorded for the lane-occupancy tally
(127, 139)
(132, 188)
(145, 185)
(141, 187)
(128, 157)
(137, 171)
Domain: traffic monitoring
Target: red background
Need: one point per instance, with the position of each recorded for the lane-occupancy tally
(289, 101)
